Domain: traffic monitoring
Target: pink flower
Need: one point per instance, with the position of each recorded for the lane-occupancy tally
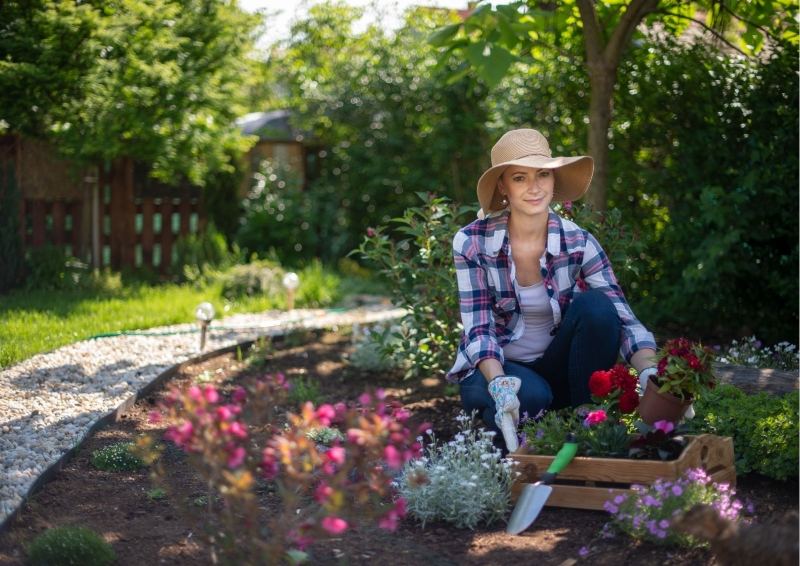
(392, 457)
(269, 463)
(195, 393)
(323, 492)
(236, 457)
(356, 436)
(370, 233)
(389, 521)
(664, 426)
(334, 525)
(325, 413)
(210, 393)
(365, 398)
(595, 418)
(224, 413)
(336, 455)
(154, 417)
(239, 395)
(237, 429)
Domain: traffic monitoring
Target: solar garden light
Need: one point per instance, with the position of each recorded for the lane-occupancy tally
(291, 282)
(204, 313)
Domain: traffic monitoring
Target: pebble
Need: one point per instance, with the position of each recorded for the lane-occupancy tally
(49, 402)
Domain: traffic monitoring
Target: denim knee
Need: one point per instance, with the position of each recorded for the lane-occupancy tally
(595, 308)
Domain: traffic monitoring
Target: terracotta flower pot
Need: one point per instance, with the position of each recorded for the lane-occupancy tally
(655, 406)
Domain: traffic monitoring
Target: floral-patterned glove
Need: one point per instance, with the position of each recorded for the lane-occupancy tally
(503, 390)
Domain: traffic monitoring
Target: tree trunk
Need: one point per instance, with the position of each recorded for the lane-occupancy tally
(602, 88)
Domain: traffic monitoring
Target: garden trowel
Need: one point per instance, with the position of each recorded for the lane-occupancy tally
(534, 495)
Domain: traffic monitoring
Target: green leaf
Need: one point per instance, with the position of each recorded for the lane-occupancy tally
(441, 36)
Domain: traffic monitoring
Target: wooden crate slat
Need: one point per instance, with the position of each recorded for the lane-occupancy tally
(575, 496)
(605, 469)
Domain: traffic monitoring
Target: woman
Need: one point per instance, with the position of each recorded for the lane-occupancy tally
(540, 305)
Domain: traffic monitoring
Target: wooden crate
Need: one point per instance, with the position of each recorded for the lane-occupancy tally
(586, 483)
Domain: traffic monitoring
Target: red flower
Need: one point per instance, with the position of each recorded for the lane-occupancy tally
(600, 383)
(628, 402)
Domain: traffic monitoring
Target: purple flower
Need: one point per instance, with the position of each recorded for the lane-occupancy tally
(610, 507)
(539, 433)
(583, 552)
(650, 501)
(661, 534)
(664, 426)
(663, 523)
(677, 490)
(619, 499)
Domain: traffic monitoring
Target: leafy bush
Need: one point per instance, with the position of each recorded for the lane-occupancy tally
(463, 482)
(319, 287)
(117, 458)
(369, 353)
(70, 546)
(764, 428)
(259, 277)
(421, 273)
(197, 254)
(49, 268)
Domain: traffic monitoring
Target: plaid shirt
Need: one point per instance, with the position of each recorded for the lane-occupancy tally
(573, 262)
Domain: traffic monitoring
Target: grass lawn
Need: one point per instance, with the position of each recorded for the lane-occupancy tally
(34, 321)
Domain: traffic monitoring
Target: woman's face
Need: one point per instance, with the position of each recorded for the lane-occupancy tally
(528, 190)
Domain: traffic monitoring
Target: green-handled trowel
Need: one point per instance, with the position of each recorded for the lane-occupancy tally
(534, 495)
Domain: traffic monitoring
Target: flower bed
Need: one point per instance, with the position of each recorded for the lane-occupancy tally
(587, 482)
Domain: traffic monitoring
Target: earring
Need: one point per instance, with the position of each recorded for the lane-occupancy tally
(504, 202)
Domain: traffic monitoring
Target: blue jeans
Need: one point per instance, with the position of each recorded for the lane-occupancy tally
(587, 340)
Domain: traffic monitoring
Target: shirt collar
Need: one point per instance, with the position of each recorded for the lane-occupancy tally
(497, 233)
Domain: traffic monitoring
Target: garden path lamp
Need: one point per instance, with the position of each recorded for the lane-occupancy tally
(290, 282)
(204, 313)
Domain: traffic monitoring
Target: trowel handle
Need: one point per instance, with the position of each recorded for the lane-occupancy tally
(564, 457)
(510, 432)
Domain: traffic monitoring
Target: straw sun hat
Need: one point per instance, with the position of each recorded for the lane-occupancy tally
(529, 148)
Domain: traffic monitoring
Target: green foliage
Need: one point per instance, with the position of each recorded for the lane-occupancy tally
(259, 277)
(325, 435)
(764, 428)
(419, 267)
(156, 494)
(386, 120)
(70, 546)
(319, 287)
(547, 435)
(198, 254)
(49, 268)
(607, 439)
(118, 457)
(302, 390)
(717, 202)
(109, 79)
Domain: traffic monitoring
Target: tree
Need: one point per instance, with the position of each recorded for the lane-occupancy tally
(492, 39)
(157, 80)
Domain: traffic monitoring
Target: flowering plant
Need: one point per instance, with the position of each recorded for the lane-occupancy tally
(647, 513)
(615, 389)
(604, 436)
(685, 368)
(660, 441)
(238, 443)
(464, 482)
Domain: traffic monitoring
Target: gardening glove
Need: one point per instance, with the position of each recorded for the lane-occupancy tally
(644, 377)
(689, 414)
(503, 390)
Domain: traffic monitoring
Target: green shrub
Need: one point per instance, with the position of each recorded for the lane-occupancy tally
(50, 268)
(259, 277)
(117, 457)
(198, 254)
(421, 273)
(302, 390)
(319, 287)
(764, 428)
(70, 546)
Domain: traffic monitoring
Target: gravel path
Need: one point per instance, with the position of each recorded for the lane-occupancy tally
(49, 402)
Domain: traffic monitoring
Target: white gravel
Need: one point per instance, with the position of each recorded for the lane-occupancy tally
(49, 402)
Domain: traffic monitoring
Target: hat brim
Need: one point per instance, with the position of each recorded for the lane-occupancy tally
(572, 178)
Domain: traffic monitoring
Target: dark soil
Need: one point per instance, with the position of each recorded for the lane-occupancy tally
(144, 530)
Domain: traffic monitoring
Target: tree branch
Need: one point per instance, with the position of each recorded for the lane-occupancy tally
(636, 11)
(593, 37)
(760, 28)
(709, 29)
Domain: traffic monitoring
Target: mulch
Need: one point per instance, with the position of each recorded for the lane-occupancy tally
(144, 530)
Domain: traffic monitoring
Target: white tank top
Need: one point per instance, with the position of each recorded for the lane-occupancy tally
(537, 316)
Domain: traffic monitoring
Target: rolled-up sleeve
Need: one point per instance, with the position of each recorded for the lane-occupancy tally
(598, 274)
(479, 341)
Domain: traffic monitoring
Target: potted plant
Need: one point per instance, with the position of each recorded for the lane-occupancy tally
(684, 372)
